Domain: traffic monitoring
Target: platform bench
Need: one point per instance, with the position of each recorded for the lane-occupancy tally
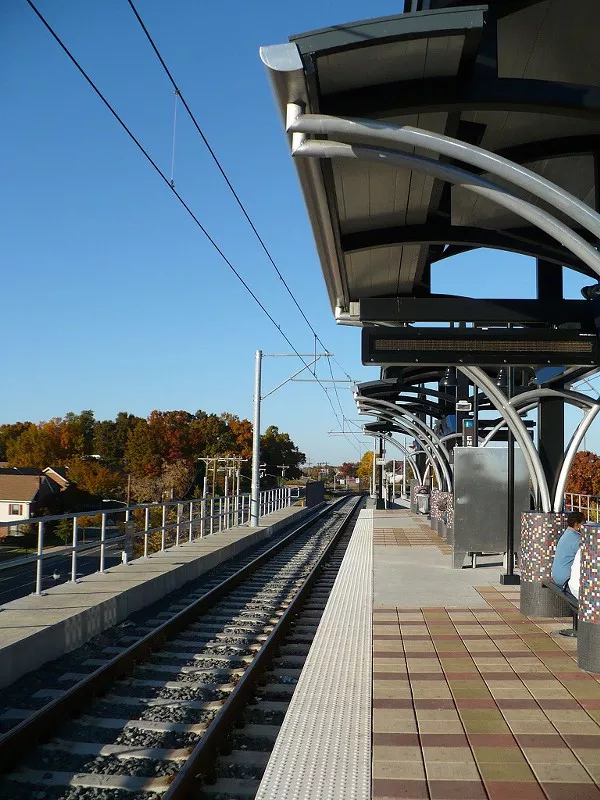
(571, 602)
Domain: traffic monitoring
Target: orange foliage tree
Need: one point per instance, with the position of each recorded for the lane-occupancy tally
(584, 476)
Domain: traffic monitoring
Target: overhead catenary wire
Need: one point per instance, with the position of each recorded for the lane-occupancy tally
(223, 173)
(169, 184)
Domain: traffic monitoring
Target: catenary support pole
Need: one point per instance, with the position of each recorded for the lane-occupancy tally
(254, 513)
(509, 578)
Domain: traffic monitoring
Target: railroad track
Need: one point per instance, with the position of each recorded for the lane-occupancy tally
(149, 716)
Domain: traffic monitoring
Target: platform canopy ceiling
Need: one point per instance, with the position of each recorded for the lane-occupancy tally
(520, 79)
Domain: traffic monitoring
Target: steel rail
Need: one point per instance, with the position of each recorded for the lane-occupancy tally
(43, 722)
(202, 759)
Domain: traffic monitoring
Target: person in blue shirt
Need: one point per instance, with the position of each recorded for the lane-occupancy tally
(567, 547)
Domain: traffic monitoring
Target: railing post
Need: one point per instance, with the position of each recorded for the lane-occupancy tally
(40, 559)
(191, 520)
(202, 517)
(220, 513)
(163, 537)
(74, 552)
(178, 528)
(102, 541)
(146, 528)
(212, 514)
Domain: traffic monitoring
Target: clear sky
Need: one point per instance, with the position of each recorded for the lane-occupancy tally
(113, 299)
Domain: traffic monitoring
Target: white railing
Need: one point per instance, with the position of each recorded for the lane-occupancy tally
(588, 504)
(140, 530)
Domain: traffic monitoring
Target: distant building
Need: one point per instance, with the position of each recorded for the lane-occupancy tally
(22, 493)
(26, 492)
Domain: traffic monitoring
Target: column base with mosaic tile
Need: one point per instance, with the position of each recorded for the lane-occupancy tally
(540, 533)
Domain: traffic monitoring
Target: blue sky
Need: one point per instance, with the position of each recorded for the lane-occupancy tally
(113, 299)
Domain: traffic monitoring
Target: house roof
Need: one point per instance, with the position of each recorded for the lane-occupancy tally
(20, 488)
(58, 475)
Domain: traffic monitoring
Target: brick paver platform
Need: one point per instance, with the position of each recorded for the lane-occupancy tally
(421, 536)
(470, 704)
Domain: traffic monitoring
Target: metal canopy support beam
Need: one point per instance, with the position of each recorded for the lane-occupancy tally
(497, 194)
(451, 94)
(524, 241)
(468, 309)
(551, 412)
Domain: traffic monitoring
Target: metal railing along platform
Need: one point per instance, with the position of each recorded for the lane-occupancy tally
(588, 504)
(139, 530)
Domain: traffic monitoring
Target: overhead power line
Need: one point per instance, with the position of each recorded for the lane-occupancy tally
(168, 183)
(223, 173)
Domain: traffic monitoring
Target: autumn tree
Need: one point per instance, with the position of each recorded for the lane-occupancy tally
(584, 476)
(8, 433)
(348, 469)
(77, 433)
(365, 469)
(37, 446)
(96, 478)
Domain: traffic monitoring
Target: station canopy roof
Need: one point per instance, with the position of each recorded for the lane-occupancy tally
(519, 78)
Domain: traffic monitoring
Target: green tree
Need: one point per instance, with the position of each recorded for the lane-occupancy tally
(277, 450)
(96, 478)
(140, 457)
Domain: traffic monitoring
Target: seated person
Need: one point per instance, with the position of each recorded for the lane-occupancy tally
(566, 549)
(573, 585)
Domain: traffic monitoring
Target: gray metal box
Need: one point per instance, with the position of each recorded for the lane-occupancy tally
(481, 502)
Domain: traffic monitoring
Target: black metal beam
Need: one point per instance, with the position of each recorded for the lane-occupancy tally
(558, 147)
(451, 94)
(525, 241)
(470, 309)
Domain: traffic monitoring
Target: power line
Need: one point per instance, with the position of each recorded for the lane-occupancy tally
(179, 94)
(168, 183)
(224, 174)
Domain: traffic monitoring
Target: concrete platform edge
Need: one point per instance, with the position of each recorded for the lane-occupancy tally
(43, 644)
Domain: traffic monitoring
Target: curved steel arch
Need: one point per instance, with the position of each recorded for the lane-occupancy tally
(433, 441)
(572, 449)
(409, 456)
(404, 426)
(374, 131)
(445, 172)
(515, 424)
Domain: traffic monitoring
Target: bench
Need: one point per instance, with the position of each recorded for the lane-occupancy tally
(571, 602)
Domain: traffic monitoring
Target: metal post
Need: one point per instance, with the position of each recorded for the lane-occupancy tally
(510, 578)
(373, 483)
(74, 552)
(102, 541)
(227, 505)
(212, 515)
(220, 513)
(178, 526)
(393, 480)
(163, 538)
(146, 529)
(40, 559)
(254, 510)
(191, 520)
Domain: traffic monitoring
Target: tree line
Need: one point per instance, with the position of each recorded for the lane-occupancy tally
(157, 456)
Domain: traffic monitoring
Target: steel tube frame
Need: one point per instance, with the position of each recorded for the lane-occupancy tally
(406, 453)
(515, 424)
(374, 132)
(432, 455)
(574, 243)
(397, 410)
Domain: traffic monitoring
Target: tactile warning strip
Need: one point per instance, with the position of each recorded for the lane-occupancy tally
(324, 747)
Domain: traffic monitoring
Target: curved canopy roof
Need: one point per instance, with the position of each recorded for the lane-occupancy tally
(518, 78)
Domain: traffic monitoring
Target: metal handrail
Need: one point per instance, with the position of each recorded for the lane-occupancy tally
(586, 503)
(205, 516)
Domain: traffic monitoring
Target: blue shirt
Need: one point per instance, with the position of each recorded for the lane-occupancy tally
(567, 546)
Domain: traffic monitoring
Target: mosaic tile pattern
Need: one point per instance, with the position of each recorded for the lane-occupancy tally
(421, 536)
(589, 582)
(478, 704)
(540, 533)
(450, 510)
(438, 503)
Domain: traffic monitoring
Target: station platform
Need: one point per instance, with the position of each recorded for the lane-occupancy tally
(464, 698)
(37, 629)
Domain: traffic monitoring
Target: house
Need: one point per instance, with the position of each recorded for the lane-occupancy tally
(23, 492)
